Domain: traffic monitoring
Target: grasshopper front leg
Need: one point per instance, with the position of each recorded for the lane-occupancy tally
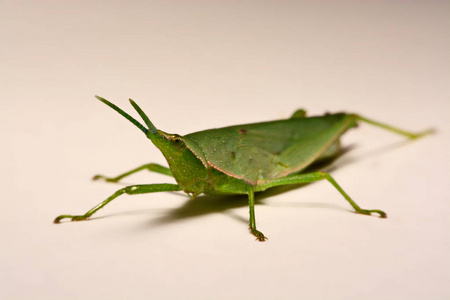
(149, 167)
(130, 190)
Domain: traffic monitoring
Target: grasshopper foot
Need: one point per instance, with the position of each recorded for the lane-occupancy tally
(73, 218)
(414, 136)
(382, 214)
(107, 179)
(259, 235)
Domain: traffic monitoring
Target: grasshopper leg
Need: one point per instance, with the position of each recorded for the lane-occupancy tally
(252, 222)
(315, 176)
(408, 134)
(150, 167)
(130, 190)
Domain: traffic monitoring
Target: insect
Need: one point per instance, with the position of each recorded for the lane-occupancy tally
(243, 159)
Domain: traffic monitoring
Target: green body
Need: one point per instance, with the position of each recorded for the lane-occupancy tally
(243, 159)
(227, 160)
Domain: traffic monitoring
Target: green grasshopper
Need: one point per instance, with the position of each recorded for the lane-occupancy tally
(243, 159)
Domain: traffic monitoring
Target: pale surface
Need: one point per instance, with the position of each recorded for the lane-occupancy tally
(193, 65)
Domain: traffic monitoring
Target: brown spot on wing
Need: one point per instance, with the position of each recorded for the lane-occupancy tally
(233, 155)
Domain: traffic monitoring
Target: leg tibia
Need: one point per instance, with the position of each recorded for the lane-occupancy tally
(131, 190)
(408, 134)
(252, 221)
(315, 176)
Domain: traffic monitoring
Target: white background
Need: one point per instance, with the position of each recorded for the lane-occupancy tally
(194, 65)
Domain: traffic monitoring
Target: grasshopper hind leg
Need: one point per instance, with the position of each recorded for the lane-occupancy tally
(408, 134)
(316, 176)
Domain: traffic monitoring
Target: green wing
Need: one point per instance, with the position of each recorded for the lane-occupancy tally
(267, 150)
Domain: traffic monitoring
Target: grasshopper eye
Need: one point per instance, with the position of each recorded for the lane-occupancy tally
(177, 142)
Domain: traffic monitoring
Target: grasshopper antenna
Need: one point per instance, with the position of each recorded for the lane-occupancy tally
(144, 117)
(130, 118)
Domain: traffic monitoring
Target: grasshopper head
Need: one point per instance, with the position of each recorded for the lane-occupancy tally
(186, 168)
